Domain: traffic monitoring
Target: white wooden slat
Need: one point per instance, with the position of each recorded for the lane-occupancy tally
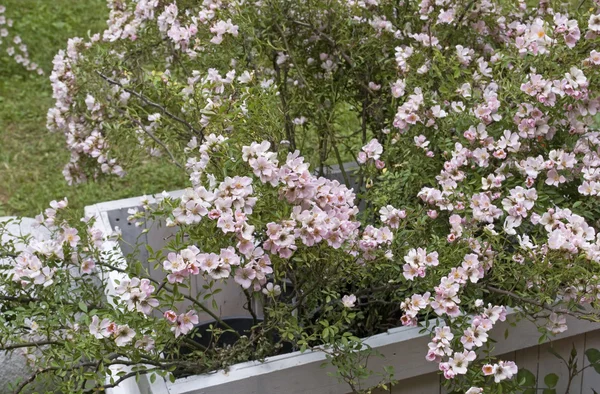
(132, 235)
(442, 389)
(159, 386)
(549, 363)
(508, 356)
(131, 202)
(528, 359)
(590, 378)
(424, 384)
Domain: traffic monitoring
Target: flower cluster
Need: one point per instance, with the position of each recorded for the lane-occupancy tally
(15, 47)
(122, 334)
(30, 269)
(372, 151)
(417, 261)
(322, 211)
(183, 323)
(473, 337)
(137, 295)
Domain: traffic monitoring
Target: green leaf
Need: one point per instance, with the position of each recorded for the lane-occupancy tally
(549, 391)
(526, 377)
(551, 380)
(593, 355)
(556, 354)
(83, 306)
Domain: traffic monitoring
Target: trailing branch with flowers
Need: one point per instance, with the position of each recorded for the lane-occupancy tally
(14, 45)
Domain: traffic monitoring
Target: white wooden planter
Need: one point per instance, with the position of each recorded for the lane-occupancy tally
(403, 348)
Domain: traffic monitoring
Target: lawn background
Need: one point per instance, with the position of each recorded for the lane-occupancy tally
(31, 158)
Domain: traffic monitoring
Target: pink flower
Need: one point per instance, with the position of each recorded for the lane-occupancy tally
(208, 261)
(185, 323)
(171, 316)
(124, 335)
(229, 257)
(146, 343)
(100, 329)
(391, 216)
(244, 276)
(474, 390)
(146, 305)
(87, 266)
(70, 236)
(349, 301)
(459, 362)
(372, 150)
(362, 157)
(504, 370)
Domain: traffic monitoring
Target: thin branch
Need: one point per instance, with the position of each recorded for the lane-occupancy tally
(161, 286)
(170, 290)
(153, 104)
(250, 309)
(29, 380)
(335, 45)
(542, 305)
(26, 382)
(340, 162)
(328, 39)
(282, 86)
(151, 135)
(287, 48)
(364, 292)
(87, 364)
(121, 379)
(464, 13)
(29, 344)
(18, 299)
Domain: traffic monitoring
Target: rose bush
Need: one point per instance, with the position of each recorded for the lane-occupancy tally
(474, 124)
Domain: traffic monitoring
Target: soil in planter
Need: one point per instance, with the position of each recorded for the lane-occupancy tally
(202, 335)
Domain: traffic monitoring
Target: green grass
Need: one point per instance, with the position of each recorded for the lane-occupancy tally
(31, 158)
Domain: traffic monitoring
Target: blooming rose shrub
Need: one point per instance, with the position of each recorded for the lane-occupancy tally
(474, 125)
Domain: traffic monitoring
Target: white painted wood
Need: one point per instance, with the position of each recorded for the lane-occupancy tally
(158, 387)
(403, 348)
(133, 201)
(424, 384)
(549, 363)
(591, 378)
(528, 359)
(128, 386)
